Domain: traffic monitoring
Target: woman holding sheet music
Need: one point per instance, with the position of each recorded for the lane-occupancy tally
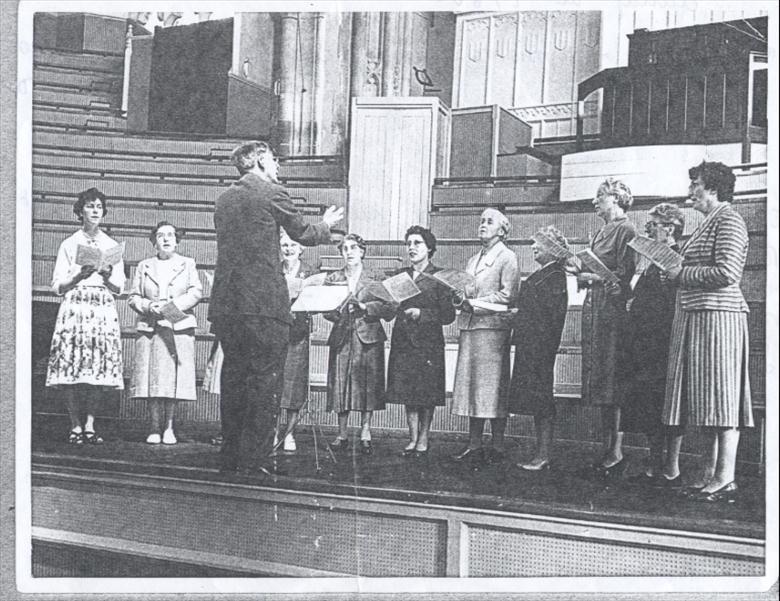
(643, 369)
(604, 317)
(415, 375)
(86, 348)
(295, 392)
(356, 361)
(482, 372)
(165, 289)
(707, 383)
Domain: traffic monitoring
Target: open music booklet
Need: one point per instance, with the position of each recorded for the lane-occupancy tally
(658, 252)
(454, 279)
(590, 262)
(397, 288)
(99, 259)
(320, 299)
(551, 246)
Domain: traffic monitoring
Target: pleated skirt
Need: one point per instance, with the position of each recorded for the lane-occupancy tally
(164, 365)
(482, 374)
(707, 382)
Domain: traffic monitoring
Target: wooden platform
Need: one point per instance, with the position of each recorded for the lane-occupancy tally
(379, 515)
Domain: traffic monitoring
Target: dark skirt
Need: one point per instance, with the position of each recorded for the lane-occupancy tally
(531, 388)
(296, 376)
(603, 323)
(356, 376)
(643, 406)
(415, 376)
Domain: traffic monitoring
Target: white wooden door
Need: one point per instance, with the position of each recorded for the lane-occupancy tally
(393, 150)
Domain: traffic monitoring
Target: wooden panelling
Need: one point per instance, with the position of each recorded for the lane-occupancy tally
(387, 176)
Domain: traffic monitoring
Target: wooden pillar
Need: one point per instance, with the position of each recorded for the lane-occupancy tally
(391, 61)
(366, 67)
(288, 68)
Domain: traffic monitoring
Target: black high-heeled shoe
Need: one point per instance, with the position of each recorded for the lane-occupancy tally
(725, 494)
(365, 447)
(612, 471)
(467, 453)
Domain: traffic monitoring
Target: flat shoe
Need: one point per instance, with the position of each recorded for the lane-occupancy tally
(169, 437)
(153, 439)
(535, 467)
(365, 447)
(408, 452)
(92, 438)
(76, 438)
(340, 444)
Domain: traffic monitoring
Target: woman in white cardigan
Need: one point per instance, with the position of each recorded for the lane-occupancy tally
(165, 289)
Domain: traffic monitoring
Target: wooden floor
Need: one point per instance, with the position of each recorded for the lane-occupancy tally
(564, 491)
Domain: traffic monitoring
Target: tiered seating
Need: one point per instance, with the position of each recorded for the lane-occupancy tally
(77, 91)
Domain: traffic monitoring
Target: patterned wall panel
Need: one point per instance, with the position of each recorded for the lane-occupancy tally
(474, 62)
(531, 58)
(503, 71)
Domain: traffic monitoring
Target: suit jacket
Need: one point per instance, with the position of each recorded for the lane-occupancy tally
(368, 327)
(713, 260)
(248, 279)
(436, 310)
(496, 277)
(184, 289)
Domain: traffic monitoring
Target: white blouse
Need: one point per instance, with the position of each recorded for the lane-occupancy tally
(66, 267)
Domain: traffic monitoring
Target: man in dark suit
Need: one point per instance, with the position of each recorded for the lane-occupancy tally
(250, 306)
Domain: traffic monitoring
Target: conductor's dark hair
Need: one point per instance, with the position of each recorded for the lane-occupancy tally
(88, 196)
(716, 177)
(155, 229)
(426, 235)
(245, 156)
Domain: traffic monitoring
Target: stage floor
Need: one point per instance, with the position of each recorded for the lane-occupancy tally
(437, 479)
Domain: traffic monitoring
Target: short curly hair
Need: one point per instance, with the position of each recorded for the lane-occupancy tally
(666, 212)
(503, 222)
(88, 196)
(426, 235)
(155, 229)
(357, 240)
(716, 177)
(619, 190)
(245, 156)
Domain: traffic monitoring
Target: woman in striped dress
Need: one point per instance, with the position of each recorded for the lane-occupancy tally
(707, 381)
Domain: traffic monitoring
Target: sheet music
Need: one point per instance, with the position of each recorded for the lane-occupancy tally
(320, 299)
(590, 262)
(454, 279)
(172, 313)
(89, 255)
(400, 287)
(658, 252)
(490, 307)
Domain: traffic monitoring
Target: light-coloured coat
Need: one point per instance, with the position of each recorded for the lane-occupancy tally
(184, 289)
(496, 282)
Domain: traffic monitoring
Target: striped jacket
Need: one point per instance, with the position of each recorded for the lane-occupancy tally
(713, 260)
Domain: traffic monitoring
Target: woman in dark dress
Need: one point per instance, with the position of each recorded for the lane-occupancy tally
(604, 318)
(415, 374)
(541, 310)
(356, 360)
(647, 352)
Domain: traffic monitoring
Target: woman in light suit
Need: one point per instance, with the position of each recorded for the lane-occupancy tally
(482, 372)
(164, 363)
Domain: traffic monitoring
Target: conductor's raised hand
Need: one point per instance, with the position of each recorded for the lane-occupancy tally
(333, 215)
